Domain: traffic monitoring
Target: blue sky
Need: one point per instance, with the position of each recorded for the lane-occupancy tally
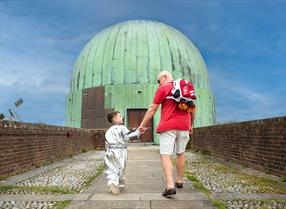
(243, 43)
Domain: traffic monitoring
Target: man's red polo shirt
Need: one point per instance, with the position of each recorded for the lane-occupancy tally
(172, 118)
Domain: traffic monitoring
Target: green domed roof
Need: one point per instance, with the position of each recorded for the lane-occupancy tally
(135, 52)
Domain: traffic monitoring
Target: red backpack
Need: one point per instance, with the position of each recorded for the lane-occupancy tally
(183, 92)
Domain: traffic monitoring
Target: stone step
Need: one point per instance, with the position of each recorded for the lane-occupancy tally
(103, 197)
(143, 204)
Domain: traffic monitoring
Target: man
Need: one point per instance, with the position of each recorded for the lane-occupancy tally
(174, 129)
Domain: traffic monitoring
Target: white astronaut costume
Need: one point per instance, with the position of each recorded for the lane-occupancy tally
(116, 142)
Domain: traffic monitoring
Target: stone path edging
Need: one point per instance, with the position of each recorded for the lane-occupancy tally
(138, 196)
(231, 196)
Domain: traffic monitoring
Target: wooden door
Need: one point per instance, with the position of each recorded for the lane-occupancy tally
(135, 117)
(93, 114)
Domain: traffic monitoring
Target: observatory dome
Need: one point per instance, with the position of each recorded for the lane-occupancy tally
(124, 60)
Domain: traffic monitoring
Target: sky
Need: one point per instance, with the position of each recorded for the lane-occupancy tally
(243, 44)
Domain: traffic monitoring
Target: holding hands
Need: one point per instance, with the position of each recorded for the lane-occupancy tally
(142, 129)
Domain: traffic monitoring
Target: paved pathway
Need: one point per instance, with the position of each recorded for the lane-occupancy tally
(144, 184)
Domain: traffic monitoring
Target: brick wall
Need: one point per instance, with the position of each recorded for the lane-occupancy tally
(30, 145)
(260, 144)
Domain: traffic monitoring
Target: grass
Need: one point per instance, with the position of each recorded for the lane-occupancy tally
(283, 178)
(99, 171)
(49, 162)
(199, 186)
(237, 162)
(192, 178)
(276, 187)
(62, 204)
(219, 204)
(36, 189)
(224, 169)
(2, 177)
(206, 152)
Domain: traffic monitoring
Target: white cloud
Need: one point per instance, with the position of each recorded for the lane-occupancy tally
(33, 74)
(238, 101)
(34, 81)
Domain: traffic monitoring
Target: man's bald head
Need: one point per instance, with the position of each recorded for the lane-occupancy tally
(164, 76)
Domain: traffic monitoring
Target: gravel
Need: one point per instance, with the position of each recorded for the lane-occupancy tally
(71, 176)
(26, 204)
(218, 178)
(256, 204)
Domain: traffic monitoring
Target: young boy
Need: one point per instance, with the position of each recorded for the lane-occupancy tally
(116, 141)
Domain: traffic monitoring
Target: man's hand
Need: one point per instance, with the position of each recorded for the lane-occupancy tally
(191, 132)
(142, 129)
(147, 117)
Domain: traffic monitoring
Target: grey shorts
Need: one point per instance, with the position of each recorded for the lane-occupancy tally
(173, 141)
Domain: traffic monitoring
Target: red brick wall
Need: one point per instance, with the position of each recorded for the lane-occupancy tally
(30, 145)
(260, 144)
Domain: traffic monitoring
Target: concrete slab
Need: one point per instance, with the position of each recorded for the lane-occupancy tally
(178, 196)
(145, 188)
(118, 204)
(122, 196)
(82, 196)
(27, 197)
(181, 204)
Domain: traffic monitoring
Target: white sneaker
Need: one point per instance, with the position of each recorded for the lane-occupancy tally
(121, 187)
(114, 189)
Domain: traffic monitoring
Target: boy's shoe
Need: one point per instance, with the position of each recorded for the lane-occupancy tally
(121, 184)
(169, 192)
(121, 187)
(114, 189)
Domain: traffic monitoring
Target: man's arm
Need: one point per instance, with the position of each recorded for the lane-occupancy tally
(148, 116)
(193, 115)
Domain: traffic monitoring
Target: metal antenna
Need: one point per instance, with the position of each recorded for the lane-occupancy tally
(19, 102)
(13, 115)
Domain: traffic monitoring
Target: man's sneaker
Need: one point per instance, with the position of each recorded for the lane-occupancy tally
(179, 185)
(169, 192)
(114, 189)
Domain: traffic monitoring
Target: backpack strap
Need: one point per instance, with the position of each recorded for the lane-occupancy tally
(175, 84)
(171, 97)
